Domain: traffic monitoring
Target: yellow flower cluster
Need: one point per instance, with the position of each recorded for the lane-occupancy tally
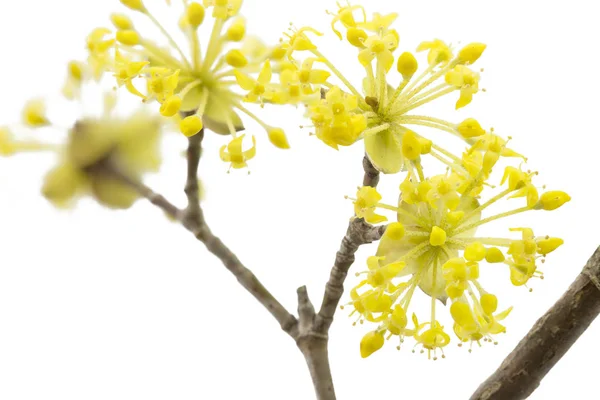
(132, 144)
(197, 90)
(381, 112)
(433, 245)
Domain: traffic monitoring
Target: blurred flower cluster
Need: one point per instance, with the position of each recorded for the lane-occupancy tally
(132, 144)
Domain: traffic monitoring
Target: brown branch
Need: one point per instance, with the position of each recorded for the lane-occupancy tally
(193, 154)
(371, 173)
(310, 331)
(549, 339)
(313, 333)
(203, 233)
(358, 233)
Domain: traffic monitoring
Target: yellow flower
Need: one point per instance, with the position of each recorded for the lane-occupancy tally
(202, 83)
(335, 121)
(434, 247)
(367, 198)
(386, 107)
(233, 153)
(34, 114)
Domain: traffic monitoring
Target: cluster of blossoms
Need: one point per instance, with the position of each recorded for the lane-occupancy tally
(197, 91)
(132, 144)
(433, 246)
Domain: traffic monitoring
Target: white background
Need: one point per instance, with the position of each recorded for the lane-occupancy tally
(97, 304)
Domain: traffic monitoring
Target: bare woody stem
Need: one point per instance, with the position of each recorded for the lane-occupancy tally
(310, 330)
(198, 227)
(192, 191)
(549, 339)
(314, 335)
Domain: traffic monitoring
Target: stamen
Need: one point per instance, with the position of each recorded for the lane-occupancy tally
(489, 219)
(214, 45)
(169, 38)
(337, 73)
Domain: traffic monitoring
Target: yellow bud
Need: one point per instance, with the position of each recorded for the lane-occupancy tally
(425, 145)
(490, 158)
(475, 252)
(470, 128)
(191, 125)
(395, 231)
(113, 193)
(411, 146)
(34, 114)
(370, 343)
(462, 315)
(121, 21)
(399, 319)
(237, 30)
(356, 37)
(136, 5)
(494, 255)
(455, 289)
(62, 183)
(471, 53)
(546, 246)
(552, 200)
(195, 14)
(532, 196)
(278, 138)
(407, 65)
(170, 106)
(455, 216)
(437, 237)
(278, 53)
(489, 303)
(75, 70)
(129, 37)
(236, 59)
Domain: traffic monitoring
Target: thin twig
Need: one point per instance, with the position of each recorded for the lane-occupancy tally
(314, 335)
(203, 233)
(358, 234)
(549, 339)
(193, 154)
(371, 173)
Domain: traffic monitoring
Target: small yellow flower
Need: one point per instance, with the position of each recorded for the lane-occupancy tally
(367, 199)
(233, 153)
(34, 114)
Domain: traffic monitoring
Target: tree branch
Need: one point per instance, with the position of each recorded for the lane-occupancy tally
(311, 330)
(549, 339)
(371, 173)
(203, 233)
(313, 335)
(358, 233)
(193, 154)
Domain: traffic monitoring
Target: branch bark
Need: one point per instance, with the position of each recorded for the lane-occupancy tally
(193, 154)
(196, 224)
(310, 330)
(549, 339)
(314, 335)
